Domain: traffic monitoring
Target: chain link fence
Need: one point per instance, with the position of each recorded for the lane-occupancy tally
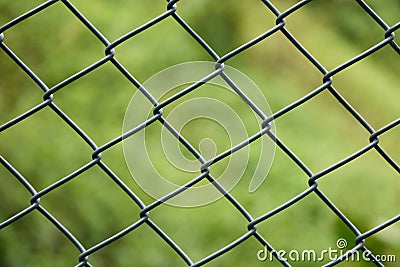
(15, 177)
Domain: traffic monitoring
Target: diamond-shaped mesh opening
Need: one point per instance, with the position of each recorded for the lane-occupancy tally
(65, 32)
(41, 173)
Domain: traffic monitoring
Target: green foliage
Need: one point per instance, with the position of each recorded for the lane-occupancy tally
(55, 45)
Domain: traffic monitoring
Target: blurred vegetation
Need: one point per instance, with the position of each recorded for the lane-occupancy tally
(55, 45)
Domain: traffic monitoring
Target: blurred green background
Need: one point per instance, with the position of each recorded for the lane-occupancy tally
(55, 45)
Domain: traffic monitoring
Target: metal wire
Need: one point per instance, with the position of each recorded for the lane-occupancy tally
(110, 48)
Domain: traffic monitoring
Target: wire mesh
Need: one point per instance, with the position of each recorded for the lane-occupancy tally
(144, 211)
